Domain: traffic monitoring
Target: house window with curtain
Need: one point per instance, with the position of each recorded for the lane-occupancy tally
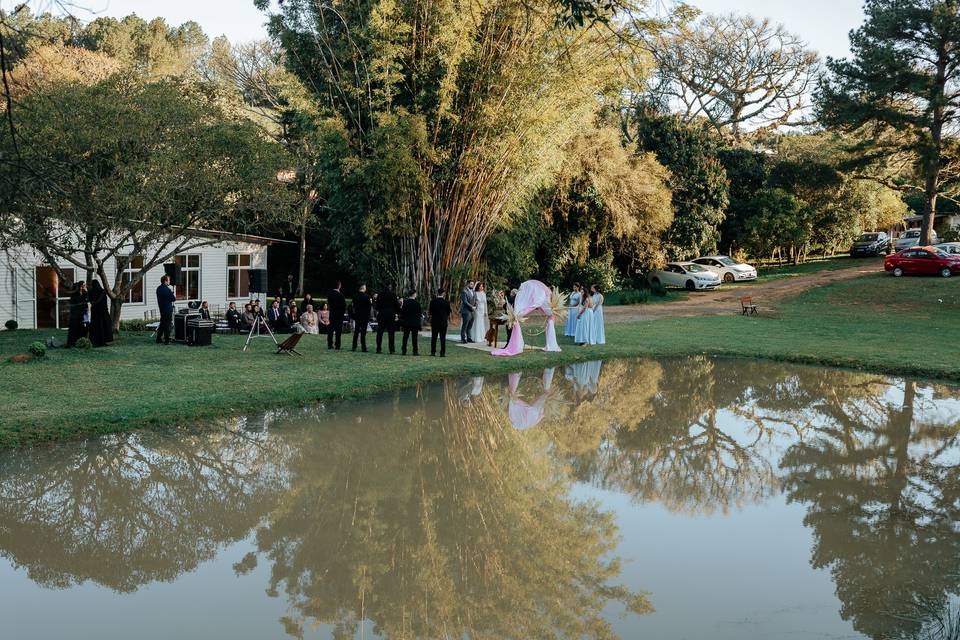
(238, 275)
(189, 286)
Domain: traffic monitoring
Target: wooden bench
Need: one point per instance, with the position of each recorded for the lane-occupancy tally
(289, 346)
(747, 307)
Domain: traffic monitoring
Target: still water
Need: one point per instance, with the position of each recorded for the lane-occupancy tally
(687, 498)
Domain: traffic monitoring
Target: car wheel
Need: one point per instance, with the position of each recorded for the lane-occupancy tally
(691, 286)
(728, 278)
(897, 272)
(945, 272)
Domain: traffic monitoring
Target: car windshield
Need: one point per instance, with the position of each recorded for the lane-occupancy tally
(728, 262)
(869, 237)
(693, 268)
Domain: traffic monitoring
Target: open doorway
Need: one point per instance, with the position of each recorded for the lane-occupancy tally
(53, 297)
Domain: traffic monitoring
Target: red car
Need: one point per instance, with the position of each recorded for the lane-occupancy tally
(923, 261)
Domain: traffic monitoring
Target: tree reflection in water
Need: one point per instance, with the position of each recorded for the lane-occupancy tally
(427, 514)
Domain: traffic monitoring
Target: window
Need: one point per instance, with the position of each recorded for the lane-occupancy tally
(129, 267)
(238, 275)
(189, 286)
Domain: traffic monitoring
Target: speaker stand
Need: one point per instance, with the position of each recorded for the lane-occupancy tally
(255, 332)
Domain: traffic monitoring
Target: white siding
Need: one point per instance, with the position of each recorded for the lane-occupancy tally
(17, 286)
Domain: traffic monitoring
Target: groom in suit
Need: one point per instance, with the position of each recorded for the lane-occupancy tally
(468, 304)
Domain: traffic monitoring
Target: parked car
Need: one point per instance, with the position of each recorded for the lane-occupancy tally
(923, 261)
(911, 238)
(689, 275)
(870, 244)
(949, 247)
(727, 268)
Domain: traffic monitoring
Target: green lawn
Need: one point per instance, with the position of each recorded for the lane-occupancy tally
(905, 326)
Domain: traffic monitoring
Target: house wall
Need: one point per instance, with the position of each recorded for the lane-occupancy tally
(18, 285)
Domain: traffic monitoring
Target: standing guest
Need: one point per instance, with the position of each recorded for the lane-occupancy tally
(478, 332)
(324, 317)
(165, 299)
(411, 317)
(289, 288)
(468, 304)
(585, 322)
(309, 321)
(439, 318)
(338, 307)
(274, 315)
(386, 317)
(78, 313)
(307, 300)
(205, 310)
(361, 317)
(598, 332)
(233, 318)
(573, 307)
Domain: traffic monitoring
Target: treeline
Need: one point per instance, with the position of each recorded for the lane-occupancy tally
(562, 141)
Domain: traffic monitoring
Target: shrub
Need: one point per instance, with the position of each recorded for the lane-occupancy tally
(658, 290)
(84, 344)
(37, 349)
(627, 296)
(11, 325)
(133, 325)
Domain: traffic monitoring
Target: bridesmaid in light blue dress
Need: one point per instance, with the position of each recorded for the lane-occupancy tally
(573, 307)
(585, 322)
(598, 331)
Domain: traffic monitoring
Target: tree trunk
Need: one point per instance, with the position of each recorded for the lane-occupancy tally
(303, 249)
(115, 306)
(930, 204)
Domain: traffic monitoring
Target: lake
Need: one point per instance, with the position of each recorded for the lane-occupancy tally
(676, 498)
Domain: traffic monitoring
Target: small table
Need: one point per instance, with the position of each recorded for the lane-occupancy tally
(495, 324)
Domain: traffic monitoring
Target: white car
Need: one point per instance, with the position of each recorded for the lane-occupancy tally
(911, 238)
(952, 248)
(727, 268)
(687, 275)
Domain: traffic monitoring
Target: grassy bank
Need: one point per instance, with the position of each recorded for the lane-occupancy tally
(903, 326)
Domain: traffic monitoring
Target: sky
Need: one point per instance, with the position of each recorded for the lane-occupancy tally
(822, 23)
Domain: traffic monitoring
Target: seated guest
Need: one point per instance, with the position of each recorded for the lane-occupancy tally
(205, 310)
(288, 318)
(324, 318)
(248, 317)
(307, 301)
(233, 318)
(309, 320)
(275, 315)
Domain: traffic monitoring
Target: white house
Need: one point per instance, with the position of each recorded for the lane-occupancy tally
(31, 292)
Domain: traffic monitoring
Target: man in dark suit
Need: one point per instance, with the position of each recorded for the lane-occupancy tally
(233, 318)
(468, 304)
(439, 319)
(387, 304)
(274, 315)
(337, 305)
(205, 310)
(361, 317)
(165, 300)
(411, 315)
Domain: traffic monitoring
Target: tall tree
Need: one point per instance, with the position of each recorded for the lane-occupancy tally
(130, 172)
(903, 81)
(736, 71)
(448, 118)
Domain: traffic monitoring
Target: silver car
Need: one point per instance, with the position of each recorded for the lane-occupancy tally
(952, 248)
(911, 238)
(687, 275)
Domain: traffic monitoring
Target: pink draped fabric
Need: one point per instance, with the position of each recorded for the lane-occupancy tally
(523, 414)
(532, 296)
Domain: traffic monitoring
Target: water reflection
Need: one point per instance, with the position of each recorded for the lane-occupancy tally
(447, 510)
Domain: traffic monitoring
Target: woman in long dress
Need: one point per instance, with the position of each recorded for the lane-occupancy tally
(101, 326)
(599, 333)
(78, 312)
(585, 322)
(480, 320)
(573, 308)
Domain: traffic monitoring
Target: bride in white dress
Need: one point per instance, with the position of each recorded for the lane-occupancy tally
(480, 321)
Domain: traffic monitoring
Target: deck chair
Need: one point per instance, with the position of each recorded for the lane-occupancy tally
(289, 346)
(747, 307)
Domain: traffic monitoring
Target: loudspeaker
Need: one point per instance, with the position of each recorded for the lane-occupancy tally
(172, 269)
(258, 280)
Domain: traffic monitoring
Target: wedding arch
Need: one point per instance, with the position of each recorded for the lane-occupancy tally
(532, 296)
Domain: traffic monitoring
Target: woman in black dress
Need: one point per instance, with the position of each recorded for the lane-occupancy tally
(78, 309)
(101, 327)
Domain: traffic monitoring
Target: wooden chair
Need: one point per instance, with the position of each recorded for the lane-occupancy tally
(289, 346)
(747, 307)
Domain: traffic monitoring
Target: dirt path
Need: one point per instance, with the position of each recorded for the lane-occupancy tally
(726, 299)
